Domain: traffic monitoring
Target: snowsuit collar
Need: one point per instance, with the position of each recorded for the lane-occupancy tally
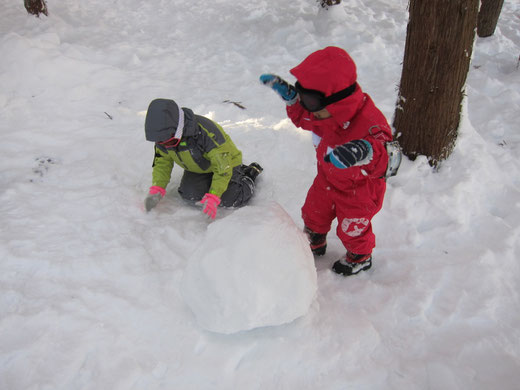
(190, 123)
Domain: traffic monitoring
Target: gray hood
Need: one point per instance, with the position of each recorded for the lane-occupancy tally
(163, 119)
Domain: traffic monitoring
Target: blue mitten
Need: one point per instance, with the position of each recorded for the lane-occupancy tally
(353, 153)
(280, 86)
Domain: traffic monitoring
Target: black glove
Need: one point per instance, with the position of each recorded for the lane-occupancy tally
(353, 153)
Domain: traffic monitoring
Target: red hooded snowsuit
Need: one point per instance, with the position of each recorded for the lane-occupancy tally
(352, 195)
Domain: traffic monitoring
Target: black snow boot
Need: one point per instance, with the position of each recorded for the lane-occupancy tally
(317, 241)
(253, 170)
(352, 263)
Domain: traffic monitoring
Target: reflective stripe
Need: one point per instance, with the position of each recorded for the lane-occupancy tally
(180, 124)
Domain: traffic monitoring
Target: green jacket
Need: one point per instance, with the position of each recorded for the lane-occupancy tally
(204, 148)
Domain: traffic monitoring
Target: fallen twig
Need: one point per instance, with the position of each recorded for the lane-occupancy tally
(235, 103)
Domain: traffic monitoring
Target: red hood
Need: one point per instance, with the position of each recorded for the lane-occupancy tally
(331, 70)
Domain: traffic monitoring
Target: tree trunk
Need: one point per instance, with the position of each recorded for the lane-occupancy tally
(36, 7)
(488, 17)
(439, 43)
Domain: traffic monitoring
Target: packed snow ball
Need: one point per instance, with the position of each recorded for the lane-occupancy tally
(264, 275)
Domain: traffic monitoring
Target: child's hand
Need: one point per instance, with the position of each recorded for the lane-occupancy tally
(154, 196)
(353, 153)
(210, 203)
(280, 86)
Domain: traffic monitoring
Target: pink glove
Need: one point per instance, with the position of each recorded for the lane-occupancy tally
(210, 202)
(156, 189)
(155, 194)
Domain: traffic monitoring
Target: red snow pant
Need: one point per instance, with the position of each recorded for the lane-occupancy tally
(354, 210)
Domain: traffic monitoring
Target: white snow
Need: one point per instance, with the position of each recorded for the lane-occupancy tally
(252, 269)
(96, 294)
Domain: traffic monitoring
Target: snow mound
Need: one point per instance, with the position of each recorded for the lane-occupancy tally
(252, 269)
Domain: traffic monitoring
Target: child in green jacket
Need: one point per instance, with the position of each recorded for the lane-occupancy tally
(213, 171)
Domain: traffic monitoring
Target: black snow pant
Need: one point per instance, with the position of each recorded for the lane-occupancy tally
(241, 187)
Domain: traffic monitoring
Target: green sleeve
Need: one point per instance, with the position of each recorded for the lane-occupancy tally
(222, 168)
(162, 169)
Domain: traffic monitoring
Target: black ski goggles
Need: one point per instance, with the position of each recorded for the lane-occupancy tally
(313, 100)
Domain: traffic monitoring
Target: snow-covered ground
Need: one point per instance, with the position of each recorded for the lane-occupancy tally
(97, 294)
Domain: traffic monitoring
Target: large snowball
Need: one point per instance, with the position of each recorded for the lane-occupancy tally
(253, 268)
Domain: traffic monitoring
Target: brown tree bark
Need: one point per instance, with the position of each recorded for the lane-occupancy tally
(36, 7)
(488, 17)
(439, 43)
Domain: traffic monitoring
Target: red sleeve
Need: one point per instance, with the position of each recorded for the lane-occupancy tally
(379, 136)
(377, 166)
(301, 118)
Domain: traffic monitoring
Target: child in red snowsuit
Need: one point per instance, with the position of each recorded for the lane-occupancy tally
(349, 134)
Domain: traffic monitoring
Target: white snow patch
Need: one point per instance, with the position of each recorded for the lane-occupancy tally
(253, 269)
